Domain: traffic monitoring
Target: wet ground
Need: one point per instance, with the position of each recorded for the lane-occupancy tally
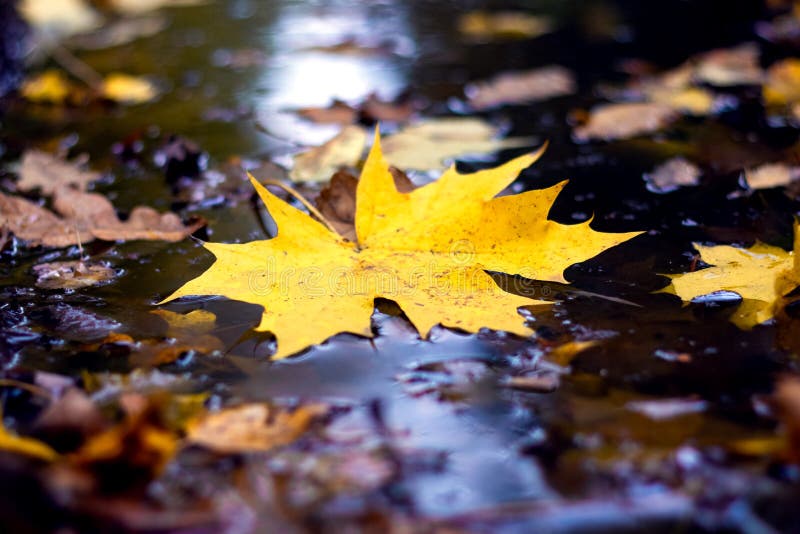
(432, 433)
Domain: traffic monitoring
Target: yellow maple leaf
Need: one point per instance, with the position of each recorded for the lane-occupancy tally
(761, 275)
(427, 250)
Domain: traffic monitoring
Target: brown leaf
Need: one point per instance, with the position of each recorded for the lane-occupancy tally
(337, 113)
(72, 274)
(373, 109)
(622, 121)
(48, 173)
(672, 174)
(519, 87)
(70, 419)
(484, 25)
(87, 216)
(251, 427)
(771, 175)
(337, 200)
(730, 66)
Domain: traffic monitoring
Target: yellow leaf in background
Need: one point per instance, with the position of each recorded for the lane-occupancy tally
(27, 446)
(318, 164)
(251, 427)
(503, 25)
(430, 144)
(428, 250)
(761, 275)
(782, 85)
(50, 86)
(128, 89)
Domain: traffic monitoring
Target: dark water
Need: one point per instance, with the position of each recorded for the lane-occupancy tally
(572, 460)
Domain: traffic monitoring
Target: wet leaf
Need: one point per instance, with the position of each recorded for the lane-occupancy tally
(46, 172)
(672, 174)
(729, 66)
(430, 144)
(251, 427)
(72, 274)
(771, 175)
(27, 446)
(427, 254)
(318, 164)
(337, 201)
(60, 18)
(483, 25)
(127, 89)
(337, 112)
(761, 274)
(520, 87)
(621, 121)
(84, 217)
(50, 86)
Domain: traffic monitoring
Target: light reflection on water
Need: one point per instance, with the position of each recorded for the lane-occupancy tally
(301, 75)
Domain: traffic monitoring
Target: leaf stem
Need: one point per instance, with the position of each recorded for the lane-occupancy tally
(300, 198)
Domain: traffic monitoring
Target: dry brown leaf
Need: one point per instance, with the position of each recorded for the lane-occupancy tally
(337, 113)
(72, 274)
(622, 121)
(337, 200)
(251, 427)
(483, 25)
(84, 217)
(520, 87)
(48, 173)
(672, 174)
(771, 175)
(318, 164)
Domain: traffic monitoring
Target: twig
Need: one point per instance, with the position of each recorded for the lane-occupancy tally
(76, 67)
(31, 388)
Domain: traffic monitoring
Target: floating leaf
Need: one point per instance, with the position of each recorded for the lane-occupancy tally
(318, 164)
(428, 250)
(520, 87)
(761, 275)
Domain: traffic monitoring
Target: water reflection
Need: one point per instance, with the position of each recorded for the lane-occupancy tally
(303, 73)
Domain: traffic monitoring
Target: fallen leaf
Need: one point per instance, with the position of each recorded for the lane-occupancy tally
(138, 447)
(127, 89)
(761, 275)
(771, 175)
(337, 200)
(46, 172)
(427, 250)
(729, 66)
(692, 100)
(60, 18)
(564, 354)
(26, 446)
(251, 427)
(371, 110)
(84, 217)
(50, 86)
(318, 164)
(672, 174)
(622, 121)
(428, 145)
(484, 25)
(520, 87)
(541, 383)
(337, 112)
(69, 419)
(782, 85)
(72, 274)
(185, 332)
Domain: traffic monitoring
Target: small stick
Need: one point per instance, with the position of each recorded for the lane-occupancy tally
(76, 67)
(31, 388)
